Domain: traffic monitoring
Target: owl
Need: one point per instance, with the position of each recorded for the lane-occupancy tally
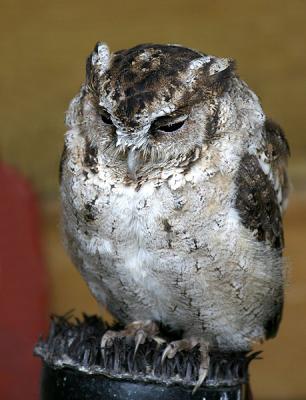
(173, 184)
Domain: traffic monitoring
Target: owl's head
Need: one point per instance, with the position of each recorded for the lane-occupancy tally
(151, 104)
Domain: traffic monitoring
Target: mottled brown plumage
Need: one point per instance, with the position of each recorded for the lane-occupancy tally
(173, 187)
(257, 204)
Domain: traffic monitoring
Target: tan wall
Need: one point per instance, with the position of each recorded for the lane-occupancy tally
(44, 45)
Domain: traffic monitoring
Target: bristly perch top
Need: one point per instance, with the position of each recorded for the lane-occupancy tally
(75, 346)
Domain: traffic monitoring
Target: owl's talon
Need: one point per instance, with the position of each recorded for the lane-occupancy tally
(140, 330)
(177, 346)
(188, 344)
(140, 338)
(165, 353)
(204, 365)
(107, 340)
(202, 375)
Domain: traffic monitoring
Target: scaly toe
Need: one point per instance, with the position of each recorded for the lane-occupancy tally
(143, 330)
(174, 347)
(139, 330)
(188, 344)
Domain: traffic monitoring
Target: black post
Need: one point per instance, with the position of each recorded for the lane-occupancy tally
(74, 369)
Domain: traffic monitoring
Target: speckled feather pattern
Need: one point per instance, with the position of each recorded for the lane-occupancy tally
(184, 226)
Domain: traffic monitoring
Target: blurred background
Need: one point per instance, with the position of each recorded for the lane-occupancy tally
(44, 45)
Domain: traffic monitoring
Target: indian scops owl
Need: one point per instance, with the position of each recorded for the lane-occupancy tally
(173, 183)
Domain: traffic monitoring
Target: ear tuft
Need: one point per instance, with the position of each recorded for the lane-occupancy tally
(220, 65)
(194, 69)
(216, 70)
(100, 57)
(199, 63)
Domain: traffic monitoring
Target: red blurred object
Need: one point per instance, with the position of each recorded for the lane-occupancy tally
(23, 296)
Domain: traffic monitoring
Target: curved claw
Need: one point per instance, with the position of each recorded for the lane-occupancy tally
(140, 330)
(107, 339)
(202, 376)
(139, 339)
(168, 353)
(203, 369)
(186, 345)
(179, 345)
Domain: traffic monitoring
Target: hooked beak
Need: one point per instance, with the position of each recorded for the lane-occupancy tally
(135, 156)
(133, 163)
